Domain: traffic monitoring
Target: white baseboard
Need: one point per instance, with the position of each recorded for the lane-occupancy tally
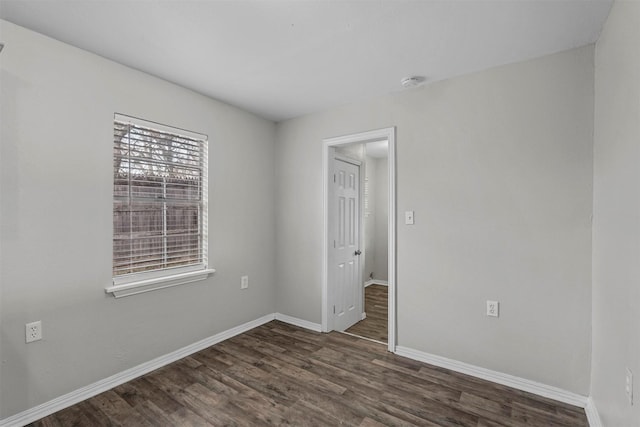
(299, 322)
(376, 282)
(592, 413)
(76, 396)
(496, 377)
(364, 316)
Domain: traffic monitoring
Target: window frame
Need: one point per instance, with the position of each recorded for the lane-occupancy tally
(145, 281)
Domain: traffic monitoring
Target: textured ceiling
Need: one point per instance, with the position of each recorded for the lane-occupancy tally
(282, 59)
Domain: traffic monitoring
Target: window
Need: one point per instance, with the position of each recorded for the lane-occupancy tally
(159, 206)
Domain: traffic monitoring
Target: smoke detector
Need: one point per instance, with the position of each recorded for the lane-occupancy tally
(412, 81)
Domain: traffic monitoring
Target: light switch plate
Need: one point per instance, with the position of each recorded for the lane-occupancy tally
(408, 217)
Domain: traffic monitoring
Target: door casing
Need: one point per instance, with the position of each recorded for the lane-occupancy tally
(387, 134)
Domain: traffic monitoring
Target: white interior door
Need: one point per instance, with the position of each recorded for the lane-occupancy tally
(344, 218)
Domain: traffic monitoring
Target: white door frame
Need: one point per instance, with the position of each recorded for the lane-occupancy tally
(388, 134)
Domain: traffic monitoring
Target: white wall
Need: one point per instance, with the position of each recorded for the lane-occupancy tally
(497, 166)
(56, 211)
(382, 219)
(616, 225)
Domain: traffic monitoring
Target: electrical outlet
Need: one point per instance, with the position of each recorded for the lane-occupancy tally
(628, 386)
(493, 308)
(244, 282)
(33, 331)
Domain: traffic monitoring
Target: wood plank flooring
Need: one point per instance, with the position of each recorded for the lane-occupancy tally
(278, 374)
(376, 306)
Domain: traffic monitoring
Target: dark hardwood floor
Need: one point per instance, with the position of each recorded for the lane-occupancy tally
(278, 374)
(376, 306)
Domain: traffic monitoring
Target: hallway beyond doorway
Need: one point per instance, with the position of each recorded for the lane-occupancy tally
(374, 327)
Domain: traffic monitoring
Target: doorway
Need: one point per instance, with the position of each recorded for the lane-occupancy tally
(331, 292)
(375, 193)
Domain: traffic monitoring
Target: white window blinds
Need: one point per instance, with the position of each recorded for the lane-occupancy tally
(159, 197)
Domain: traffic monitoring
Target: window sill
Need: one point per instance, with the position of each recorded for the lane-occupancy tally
(141, 286)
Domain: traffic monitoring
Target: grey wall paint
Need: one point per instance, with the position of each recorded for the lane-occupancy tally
(56, 200)
(382, 219)
(352, 151)
(376, 232)
(370, 220)
(616, 225)
(497, 166)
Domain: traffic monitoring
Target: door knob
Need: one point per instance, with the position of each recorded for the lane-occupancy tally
(357, 253)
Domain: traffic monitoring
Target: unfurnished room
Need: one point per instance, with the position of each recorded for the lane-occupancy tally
(320, 213)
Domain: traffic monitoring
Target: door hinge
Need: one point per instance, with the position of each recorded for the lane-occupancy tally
(334, 309)
(334, 177)
(334, 244)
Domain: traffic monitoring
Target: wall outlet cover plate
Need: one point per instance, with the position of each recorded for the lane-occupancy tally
(33, 331)
(493, 308)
